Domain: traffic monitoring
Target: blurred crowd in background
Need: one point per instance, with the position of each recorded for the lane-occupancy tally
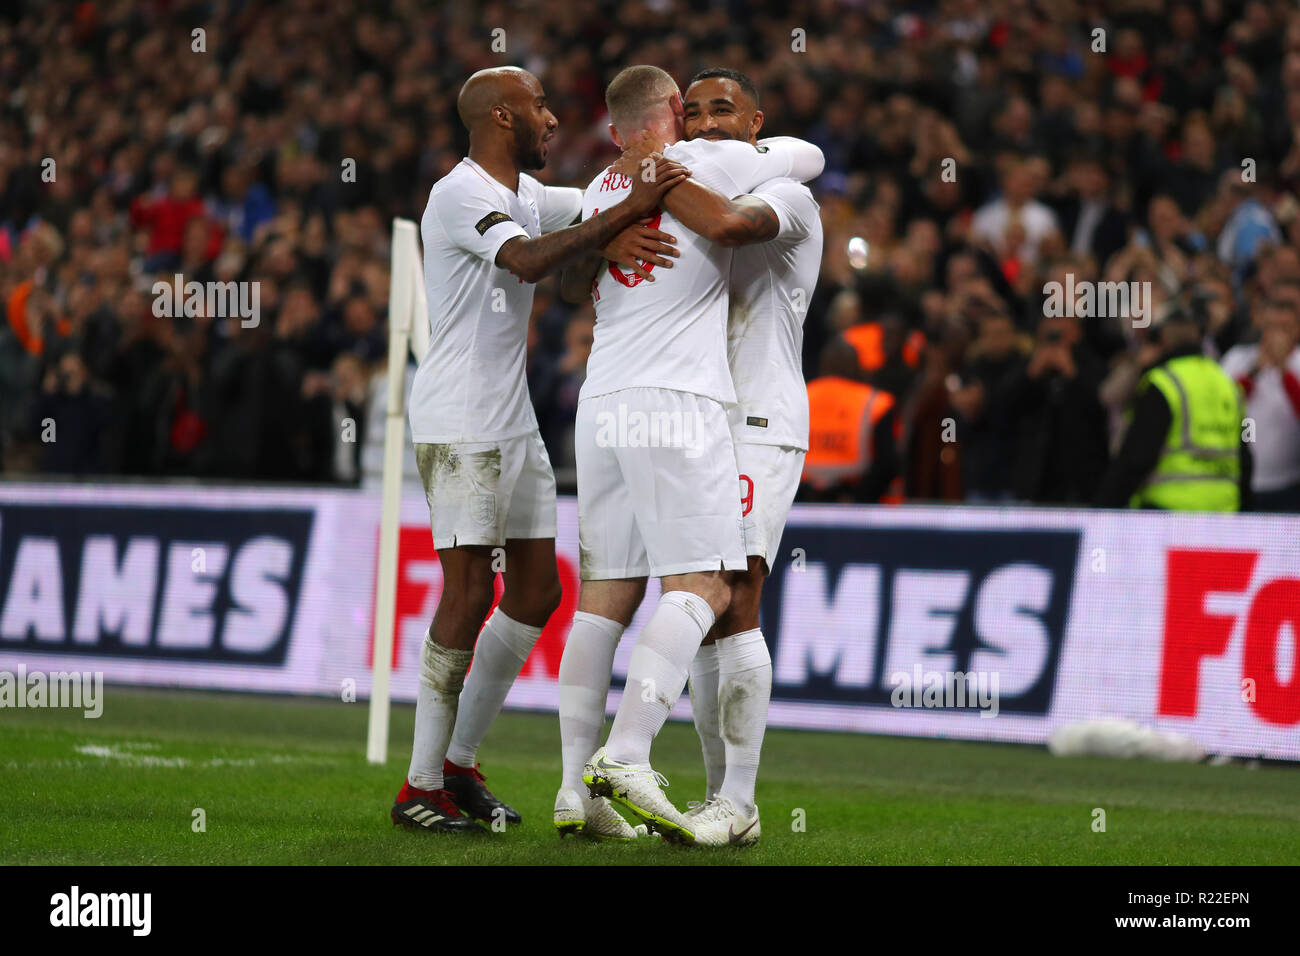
(229, 164)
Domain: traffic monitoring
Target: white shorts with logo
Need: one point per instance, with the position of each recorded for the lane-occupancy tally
(656, 486)
(769, 478)
(481, 493)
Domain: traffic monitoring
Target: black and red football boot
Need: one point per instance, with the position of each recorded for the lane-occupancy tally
(466, 786)
(431, 810)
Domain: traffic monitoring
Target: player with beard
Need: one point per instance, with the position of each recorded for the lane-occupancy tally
(490, 231)
(771, 283)
(665, 507)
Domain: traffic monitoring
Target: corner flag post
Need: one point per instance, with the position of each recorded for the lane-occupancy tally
(408, 322)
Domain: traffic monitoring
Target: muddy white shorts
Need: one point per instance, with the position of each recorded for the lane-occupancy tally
(485, 492)
(656, 486)
(769, 478)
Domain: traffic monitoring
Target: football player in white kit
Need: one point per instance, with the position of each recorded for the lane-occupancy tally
(485, 471)
(771, 285)
(656, 469)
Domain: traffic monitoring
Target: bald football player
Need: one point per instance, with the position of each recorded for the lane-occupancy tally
(490, 231)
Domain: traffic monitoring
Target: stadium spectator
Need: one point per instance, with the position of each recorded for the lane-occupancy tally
(932, 459)
(356, 328)
(1190, 179)
(21, 347)
(282, 156)
(1247, 226)
(1016, 225)
(987, 421)
(1061, 429)
(71, 415)
(166, 216)
(335, 402)
(242, 205)
(256, 388)
(1226, 322)
(1269, 374)
(170, 396)
(1091, 223)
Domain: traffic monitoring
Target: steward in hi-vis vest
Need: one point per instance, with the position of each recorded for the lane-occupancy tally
(1183, 450)
(852, 450)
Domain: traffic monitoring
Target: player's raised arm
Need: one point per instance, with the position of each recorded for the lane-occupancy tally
(531, 259)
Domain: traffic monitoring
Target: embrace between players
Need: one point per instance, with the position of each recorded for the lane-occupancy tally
(700, 248)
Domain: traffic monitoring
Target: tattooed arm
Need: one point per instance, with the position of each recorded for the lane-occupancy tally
(531, 259)
(728, 222)
(577, 276)
(638, 248)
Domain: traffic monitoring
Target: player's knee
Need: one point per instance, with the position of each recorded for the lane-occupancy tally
(743, 610)
(712, 587)
(717, 592)
(533, 602)
(479, 599)
(544, 597)
(550, 597)
(470, 598)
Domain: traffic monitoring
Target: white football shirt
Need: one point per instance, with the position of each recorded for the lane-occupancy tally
(771, 285)
(471, 385)
(672, 333)
(1277, 453)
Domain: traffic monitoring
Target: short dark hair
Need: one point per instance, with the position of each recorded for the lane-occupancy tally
(633, 92)
(723, 73)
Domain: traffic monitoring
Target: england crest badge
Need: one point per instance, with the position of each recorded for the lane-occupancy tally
(483, 508)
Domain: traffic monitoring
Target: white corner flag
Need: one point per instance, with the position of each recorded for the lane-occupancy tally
(408, 322)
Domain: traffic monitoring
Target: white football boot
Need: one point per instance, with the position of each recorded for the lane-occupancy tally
(639, 789)
(719, 823)
(595, 818)
(695, 807)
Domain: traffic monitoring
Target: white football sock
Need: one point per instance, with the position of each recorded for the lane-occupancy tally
(744, 690)
(584, 690)
(503, 646)
(442, 674)
(704, 708)
(656, 673)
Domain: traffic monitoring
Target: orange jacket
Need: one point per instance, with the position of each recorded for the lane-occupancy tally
(841, 416)
(16, 309)
(868, 340)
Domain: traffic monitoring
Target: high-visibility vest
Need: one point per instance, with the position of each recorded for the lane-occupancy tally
(841, 416)
(1199, 469)
(868, 340)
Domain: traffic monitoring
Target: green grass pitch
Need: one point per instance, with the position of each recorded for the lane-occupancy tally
(284, 780)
